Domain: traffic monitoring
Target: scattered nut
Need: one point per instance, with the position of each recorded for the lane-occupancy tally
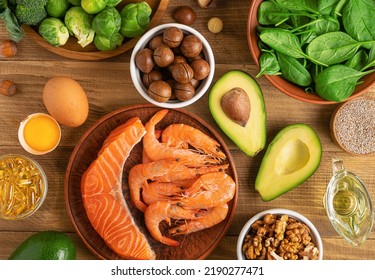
(185, 15)
(204, 3)
(215, 25)
(8, 48)
(7, 88)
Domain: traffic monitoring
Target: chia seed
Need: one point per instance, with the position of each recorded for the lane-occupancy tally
(355, 126)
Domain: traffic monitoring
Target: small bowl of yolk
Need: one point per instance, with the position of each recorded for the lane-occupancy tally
(39, 133)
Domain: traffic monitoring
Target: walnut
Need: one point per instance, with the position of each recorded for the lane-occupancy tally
(279, 238)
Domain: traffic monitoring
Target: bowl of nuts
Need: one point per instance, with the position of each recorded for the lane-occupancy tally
(172, 65)
(279, 234)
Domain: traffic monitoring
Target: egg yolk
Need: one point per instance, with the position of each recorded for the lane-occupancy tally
(41, 133)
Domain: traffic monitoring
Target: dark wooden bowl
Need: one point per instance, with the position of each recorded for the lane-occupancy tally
(286, 87)
(73, 50)
(193, 246)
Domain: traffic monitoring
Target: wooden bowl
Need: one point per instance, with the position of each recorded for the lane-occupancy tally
(356, 121)
(283, 85)
(196, 245)
(73, 50)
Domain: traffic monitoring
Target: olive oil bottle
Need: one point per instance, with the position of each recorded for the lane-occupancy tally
(348, 205)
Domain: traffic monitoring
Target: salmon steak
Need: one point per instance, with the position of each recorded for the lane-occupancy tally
(101, 189)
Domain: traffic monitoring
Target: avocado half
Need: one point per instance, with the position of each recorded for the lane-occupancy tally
(291, 158)
(250, 138)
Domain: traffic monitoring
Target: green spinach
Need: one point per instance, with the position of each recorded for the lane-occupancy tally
(293, 71)
(268, 64)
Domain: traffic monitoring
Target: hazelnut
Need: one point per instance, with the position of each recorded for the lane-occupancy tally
(201, 69)
(191, 46)
(172, 37)
(156, 42)
(163, 56)
(149, 78)
(144, 60)
(160, 91)
(185, 15)
(183, 92)
(182, 72)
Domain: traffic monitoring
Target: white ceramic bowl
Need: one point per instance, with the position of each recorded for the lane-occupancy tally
(316, 239)
(136, 73)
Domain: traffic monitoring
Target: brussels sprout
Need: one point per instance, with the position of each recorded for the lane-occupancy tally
(106, 44)
(57, 8)
(93, 6)
(135, 18)
(75, 2)
(54, 31)
(107, 22)
(79, 24)
(113, 3)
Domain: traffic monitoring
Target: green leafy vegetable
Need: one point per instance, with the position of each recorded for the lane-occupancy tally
(93, 6)
(12, 25)
(57, 8)
(337, 82)
(268, 64)
(135, 19)
(78, 23)
(107, 22)
(54, 31)
(107, 44)
(293, 71)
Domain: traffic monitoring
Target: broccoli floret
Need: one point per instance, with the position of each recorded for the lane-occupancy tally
(30, 16)
(32, 3)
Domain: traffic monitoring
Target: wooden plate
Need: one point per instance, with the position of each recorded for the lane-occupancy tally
(73, 50)
(193, 246)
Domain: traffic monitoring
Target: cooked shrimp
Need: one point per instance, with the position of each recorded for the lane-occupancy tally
(209, 190)
(182, 135)
(165, 211)
(207, 218)
(156, 150)
(155, 191)
(167, 170)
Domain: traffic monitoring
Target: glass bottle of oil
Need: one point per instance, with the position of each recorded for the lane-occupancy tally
(348, 205)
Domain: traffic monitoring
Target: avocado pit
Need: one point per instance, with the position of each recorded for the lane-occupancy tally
(236, 105)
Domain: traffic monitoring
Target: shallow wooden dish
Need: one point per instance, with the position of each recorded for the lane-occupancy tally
(286, 87)
(193, 246)
(73, 50)
(333, 126)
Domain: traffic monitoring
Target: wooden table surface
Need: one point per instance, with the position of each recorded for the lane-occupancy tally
(109, 87)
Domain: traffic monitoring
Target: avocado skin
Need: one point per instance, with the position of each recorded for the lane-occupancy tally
(251, 138)
(45, 245)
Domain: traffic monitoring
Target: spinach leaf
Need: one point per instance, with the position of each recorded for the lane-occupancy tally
(359, 19)
(334, 47)
(269, 13)
(326, 7)
(268, 64)
(358, 61)
(338, 9)
(337, 82)
(293, 71)
(326, 24)
(371, 59)
(298, 5)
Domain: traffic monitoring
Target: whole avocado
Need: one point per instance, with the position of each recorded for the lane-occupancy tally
(45, 245)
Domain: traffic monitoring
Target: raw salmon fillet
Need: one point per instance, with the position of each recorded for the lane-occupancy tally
(102, 196)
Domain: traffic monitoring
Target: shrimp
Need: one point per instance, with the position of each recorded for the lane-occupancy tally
(155, 191)
(209, 190)
(181, 135)
(207, 218)
(165, 211)
(156, 150)
(167, 170)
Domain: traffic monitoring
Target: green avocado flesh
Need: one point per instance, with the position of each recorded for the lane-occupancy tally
(291, 158)
(45, 245)
(250, 138)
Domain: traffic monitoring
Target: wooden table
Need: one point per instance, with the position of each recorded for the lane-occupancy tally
(109, 87)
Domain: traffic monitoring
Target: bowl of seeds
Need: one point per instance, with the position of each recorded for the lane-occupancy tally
(352, 126)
